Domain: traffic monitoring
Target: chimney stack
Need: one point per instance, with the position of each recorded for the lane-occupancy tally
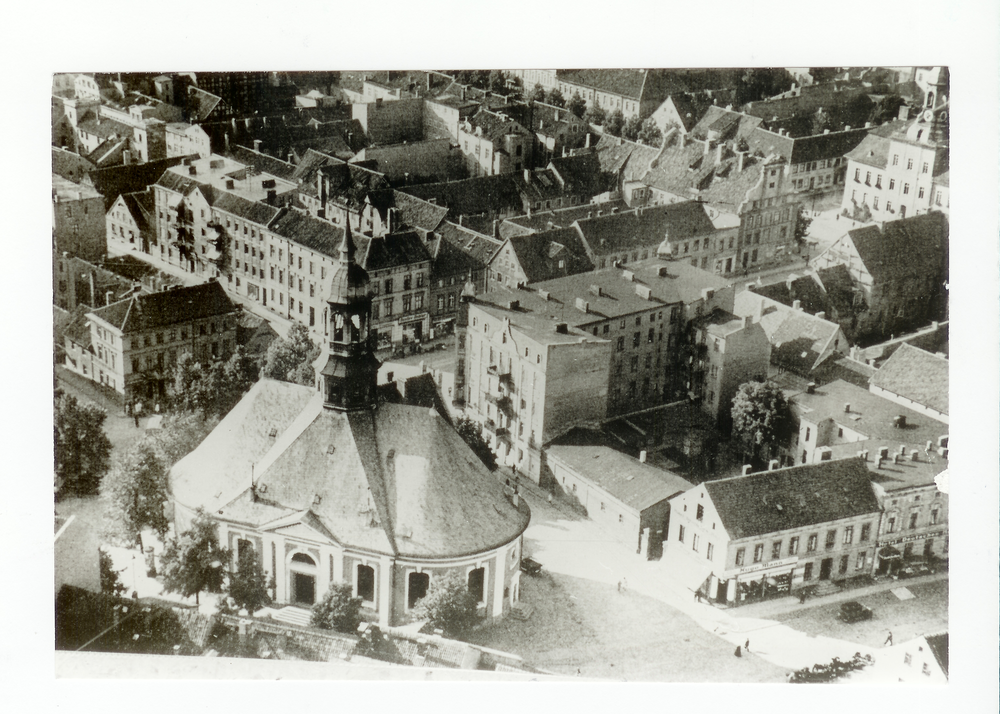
(746, 470)
(797, 305)
(772, 464)
(642, 456)
(256, 145)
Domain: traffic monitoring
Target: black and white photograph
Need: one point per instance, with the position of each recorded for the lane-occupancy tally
(631, 376)
(506, 370)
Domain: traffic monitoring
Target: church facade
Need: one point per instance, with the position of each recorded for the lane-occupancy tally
(327, 485)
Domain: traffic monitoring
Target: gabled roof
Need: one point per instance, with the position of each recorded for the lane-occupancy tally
(629, 480)
(624, 82)
(798, 339)
(105, 128)
(70, 165)
(392, 250)
(580, 172)
(872, 151)
(480, 195)
(459, 250)
(141, 207)
(309, 232)
(418, 213)
(539, 254)
(77, 328)
(645, 227)
(550, 218)
(252, 211)
(917, 375)
(150, 311)
(903, 248)
(826, 146)
(725, 124)
(839, 287)
(495, 126)
(396, 480)
(795, 497)
(938, 645)
(201, 103)
(803, 288)
(116, 180)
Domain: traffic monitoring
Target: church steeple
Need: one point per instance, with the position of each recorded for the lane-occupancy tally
(347, 369)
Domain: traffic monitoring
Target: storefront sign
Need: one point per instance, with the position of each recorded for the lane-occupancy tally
(910, 538)
(769, 565)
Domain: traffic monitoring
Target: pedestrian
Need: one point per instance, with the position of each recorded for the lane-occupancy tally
(550, 496)
(746, 645)
(738, 653)
(157, 408)
(624, 585)
(802, 598)
(888, 640)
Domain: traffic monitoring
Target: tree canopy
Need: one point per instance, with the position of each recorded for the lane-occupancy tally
(762, 418)
(194, 561)
(135, 493)
(247, 586)
(577, 105)
(449, 605)
(555, 98)
(472, 432)
(595, 114)
(802, 223)
(631, 128)
(290, 359)
(538, 93)
(650, 134)
(214, 389)
(614, 123)
(82, 449)
(339, 609)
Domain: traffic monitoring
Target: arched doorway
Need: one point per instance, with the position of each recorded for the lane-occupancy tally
(302, 574)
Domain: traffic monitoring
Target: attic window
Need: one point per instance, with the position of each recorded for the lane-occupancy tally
(317, 499)
(274, 432)
(330, 449)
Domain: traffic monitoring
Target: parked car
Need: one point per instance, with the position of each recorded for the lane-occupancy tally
(854, 611)
(530, 566)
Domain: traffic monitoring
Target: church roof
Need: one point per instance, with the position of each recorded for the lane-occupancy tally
(397, 479)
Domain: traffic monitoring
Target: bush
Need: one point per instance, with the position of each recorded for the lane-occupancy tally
(339, 609)
(449, 605)
(111, 584)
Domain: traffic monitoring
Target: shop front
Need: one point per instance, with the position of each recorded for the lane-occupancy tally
(759, 581)
(895, 554)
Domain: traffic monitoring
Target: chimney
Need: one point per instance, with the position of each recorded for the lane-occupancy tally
(826, 131)
(272, 196)
(642, 456)
(496, 227)
(193, 170)
(811, 388)
(746, 470)
(256, 145)
(684, 140)
(864, 455)
(943, 441)
(914, 455)
(847, 408)
(291, 157)
(562, 328)
(772, 464)
(747, 321)
(586, 143)
(883, 453)
(821, 314)
(109, 297)
(708, 147)
(904, 112)
(943, 452)
(868, 125)
(797, 305)
(928, 446)
(719, 150)
(899, 422)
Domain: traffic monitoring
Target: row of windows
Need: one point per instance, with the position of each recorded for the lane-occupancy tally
(815, 165)
(812, 543)
(913, 522)
(408, 283)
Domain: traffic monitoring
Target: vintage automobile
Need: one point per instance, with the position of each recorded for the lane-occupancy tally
(530, 566)
(854, 611)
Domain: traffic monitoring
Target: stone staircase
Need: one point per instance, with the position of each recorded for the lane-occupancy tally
(293, 616)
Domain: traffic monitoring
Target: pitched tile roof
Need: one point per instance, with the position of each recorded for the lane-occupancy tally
(418, 213)
(140, 206)
(580, 172)
(540, 254)
(396, 480)
(557, 217)
(113, 181)
(889, 476)
(150, 311)
(907, 247)
(495, 126)
(77, 328)
(804, 288)
(624, 82)
(392, 250)
(644, 227)
(629, 480)
(794, 497)
(309, 232)
(798, 339)
(263, 162)
(870, 415)
(826, 146)
(939, 647)
(917, 375)
(201, 103)
(253, 211)
(724, 124)
(872, 151)
(70, 165)
(481, 195)
(477, 248)
(837, 366)
(839, 286)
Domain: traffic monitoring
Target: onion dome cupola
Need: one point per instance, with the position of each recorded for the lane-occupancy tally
(347, 369)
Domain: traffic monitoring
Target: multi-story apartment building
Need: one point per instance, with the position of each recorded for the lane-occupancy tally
(771, 533)
(130, 221)
(495, 144)
(901, 169)
(78, 220)
(399, 267)
(768, 216)
(136, 341)
(529, 378)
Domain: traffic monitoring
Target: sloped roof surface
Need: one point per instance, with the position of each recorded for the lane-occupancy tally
(614, 232)
(626, 82)
(634, 483)
(418, 213)
(391, 251)
(939, 647)
(113, 181)
(149, 311)
(263, 162)
(917, 375)
(797, 338)
(253, 211)
(478, 246)
(483, 194)
(395, 480)
(539, 254)
(795, 497)
(872, 151)
(901, 248)
(309, 232)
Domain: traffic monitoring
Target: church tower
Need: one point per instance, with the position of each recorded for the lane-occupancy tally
(347, 369)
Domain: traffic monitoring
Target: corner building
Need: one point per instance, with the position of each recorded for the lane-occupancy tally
(327, 485)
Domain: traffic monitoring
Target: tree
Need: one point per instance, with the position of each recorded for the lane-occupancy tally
(631, 128)
(538, 93)
(248, 585)
(111, 584)
(472, 432)
(189, 388)
(178, 435)
(556, 98)
(821, 122)
(595, 115)
(614, 123)
(802, 223)
(886, 109)
(290, 359)
(134, 493)
(761, 82)
(761, 417)
(82, 449)
(650, 134)
(449, 605)
(577, 105)
(195, 561)
(339, 609)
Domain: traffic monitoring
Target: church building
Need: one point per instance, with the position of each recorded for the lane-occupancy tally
(328, 485)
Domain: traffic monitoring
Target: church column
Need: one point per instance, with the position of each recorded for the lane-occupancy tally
(499, 577)
(385, 591)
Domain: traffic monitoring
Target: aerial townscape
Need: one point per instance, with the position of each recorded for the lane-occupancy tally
(596, 374)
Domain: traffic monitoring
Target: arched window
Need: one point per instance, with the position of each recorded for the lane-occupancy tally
(477, 584)
(366, 583)
(417, 584)
(303, 558)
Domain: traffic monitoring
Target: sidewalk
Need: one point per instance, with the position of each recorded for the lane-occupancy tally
(778, 606)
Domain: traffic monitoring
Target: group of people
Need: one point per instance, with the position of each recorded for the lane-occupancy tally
(134, 409)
